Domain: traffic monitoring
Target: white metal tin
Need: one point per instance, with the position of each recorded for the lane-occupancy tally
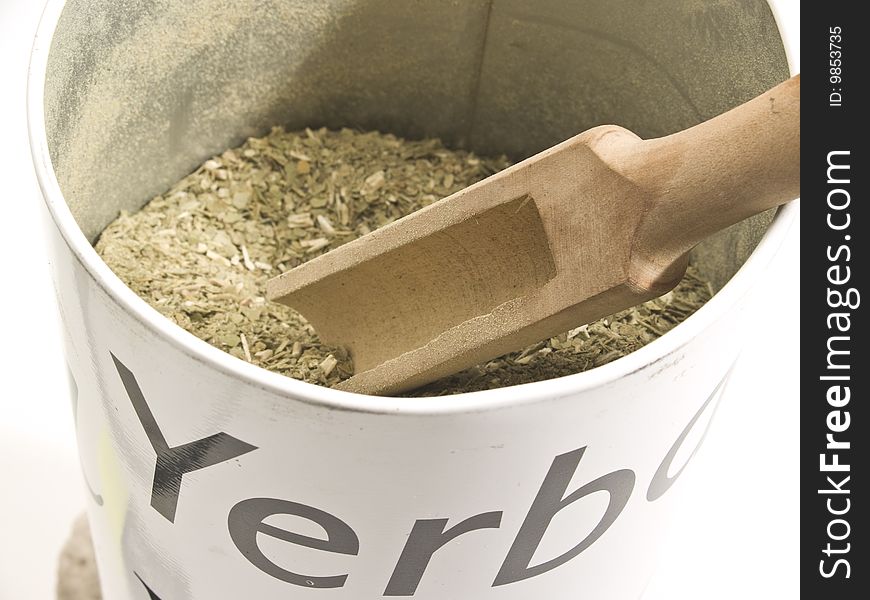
(213, 479)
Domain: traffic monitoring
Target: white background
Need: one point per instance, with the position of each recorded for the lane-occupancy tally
(739, 529)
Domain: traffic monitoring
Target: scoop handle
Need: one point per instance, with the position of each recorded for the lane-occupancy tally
(705, 178)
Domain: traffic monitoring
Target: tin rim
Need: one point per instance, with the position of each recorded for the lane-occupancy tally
(721, 302)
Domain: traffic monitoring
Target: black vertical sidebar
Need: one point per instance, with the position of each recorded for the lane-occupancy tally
(834, 264)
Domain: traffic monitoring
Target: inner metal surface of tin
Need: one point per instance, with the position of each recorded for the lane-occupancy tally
(139, 93)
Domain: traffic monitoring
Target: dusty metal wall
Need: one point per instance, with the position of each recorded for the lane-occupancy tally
(139, 93)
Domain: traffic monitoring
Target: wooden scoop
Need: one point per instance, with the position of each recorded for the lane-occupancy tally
(594, 225)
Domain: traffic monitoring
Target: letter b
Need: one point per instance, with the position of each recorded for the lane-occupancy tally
(549, 501)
